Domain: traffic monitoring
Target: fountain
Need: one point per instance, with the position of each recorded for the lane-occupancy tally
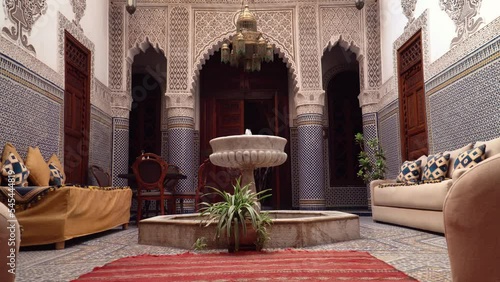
(289, 228)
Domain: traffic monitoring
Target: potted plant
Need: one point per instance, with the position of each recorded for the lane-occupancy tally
(238, 215)
(371, 166)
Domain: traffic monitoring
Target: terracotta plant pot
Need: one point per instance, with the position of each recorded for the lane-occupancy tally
(246, 241)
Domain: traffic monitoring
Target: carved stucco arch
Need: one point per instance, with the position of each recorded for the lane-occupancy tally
(333, 71)
(347, 46)
(143, 46)
(216, 43)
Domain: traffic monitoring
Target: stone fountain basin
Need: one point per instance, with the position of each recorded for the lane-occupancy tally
(290, 229)
(239, 151)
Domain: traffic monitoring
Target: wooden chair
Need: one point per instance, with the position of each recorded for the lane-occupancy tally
(102, 177)
(150, 171)
(170, 185)
(209, 175)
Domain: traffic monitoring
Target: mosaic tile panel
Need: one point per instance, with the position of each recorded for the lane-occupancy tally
(346, 197)
(164, 145)
(390, 142)
(311, 167)
(120, 150)
(181, 153)
(42, 127)
(100, 141)
(294, 159)
(466, 110)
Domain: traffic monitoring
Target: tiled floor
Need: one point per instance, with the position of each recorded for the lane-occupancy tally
(420, 254)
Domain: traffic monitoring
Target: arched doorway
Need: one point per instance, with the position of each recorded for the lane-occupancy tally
(148, 87)
(232, 100)
(342, 86)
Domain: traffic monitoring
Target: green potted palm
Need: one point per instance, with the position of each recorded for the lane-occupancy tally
(238, 216)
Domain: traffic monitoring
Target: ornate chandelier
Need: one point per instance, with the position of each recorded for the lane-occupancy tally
(247, 48)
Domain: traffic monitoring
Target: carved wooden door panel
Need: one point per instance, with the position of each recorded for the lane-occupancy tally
(412, 100)
(76, 111)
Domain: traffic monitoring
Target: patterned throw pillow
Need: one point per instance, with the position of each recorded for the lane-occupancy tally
(436, 167)
(470, 157)
(15, 168)
(410, 171)
(56, 177)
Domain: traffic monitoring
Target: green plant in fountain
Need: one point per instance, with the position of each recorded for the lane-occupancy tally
(200, 244)
(371, 167)
(235, 211)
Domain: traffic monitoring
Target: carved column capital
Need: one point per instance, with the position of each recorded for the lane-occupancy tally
(180, 104)
(120, 104)
(310, 102)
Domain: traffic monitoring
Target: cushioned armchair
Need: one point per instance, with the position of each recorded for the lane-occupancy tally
(471, 221)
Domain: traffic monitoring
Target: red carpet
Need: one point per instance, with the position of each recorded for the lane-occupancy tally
(290, 265)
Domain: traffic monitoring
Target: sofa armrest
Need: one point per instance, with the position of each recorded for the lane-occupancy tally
(458, 172)
(377, 182)
(470, 213)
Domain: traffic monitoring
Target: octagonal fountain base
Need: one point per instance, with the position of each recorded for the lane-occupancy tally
(290, 229)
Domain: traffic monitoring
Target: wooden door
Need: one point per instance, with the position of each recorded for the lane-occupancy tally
(412, 100)
(229, 116)
(76, 110)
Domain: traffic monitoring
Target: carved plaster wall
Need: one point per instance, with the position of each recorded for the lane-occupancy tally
(408, 9)
(463, 13)
(79, 7)
(23, 14)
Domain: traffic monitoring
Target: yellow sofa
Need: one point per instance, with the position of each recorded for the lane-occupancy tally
(59, 214)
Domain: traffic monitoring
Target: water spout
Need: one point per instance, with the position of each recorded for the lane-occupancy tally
(248, 132)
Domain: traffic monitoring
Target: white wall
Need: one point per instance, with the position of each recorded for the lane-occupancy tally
(44, 33)
(441, 28)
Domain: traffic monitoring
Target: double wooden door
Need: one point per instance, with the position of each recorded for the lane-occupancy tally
(76, 111)
(412, 100)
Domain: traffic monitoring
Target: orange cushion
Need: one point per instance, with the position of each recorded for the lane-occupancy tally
(39, 170)
(9, 148)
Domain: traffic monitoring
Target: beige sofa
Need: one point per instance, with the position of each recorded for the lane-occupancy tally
(471, 211)
(420, 206)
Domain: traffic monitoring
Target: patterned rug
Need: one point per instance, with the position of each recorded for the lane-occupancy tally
(288, 265)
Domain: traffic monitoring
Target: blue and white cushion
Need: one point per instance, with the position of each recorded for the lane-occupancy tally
(436, 167)
(470, 157)
(410, 171)
(14, 171)
(56, 177)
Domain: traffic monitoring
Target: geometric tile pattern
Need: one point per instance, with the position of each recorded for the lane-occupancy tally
(369, 133)
(30, 118)
(181, 154)
(341, 23)
(116, 54)
(164, 145)
(294, 160)
(453, 120)
(100, 141)
(120, 150)
(141, 26)
(421, 255)
(388, 126)
(178, 49)
(373, 44)
(308, 48)
(352, 197)
(311, 167)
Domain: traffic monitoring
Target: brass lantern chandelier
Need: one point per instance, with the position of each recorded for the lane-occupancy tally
(249, 48)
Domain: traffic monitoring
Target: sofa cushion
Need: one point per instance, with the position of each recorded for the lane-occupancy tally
(470, 157)
(56, 177)
(410, 171)
(453, 156)
(54, 160)
(492, 147)
(15, 168)
(7, 149)
(424, 196)
(436, 167)
(39, 170)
